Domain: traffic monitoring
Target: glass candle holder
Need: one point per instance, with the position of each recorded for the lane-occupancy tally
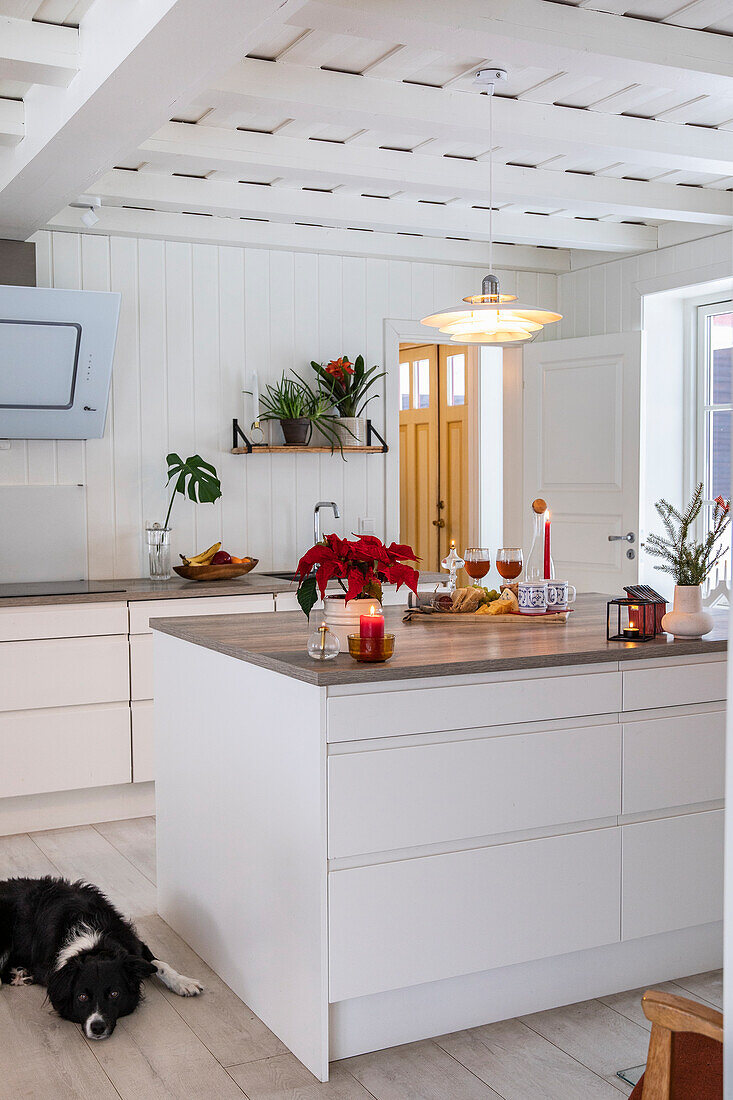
(323, 644)
(371, 649)
(158, 540)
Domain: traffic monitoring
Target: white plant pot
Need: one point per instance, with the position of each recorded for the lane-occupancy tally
(351, 430)
(343, 618)
(687, 618)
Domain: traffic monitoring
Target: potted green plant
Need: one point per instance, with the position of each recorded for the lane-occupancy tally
(299, 409)
(688, 561)
(196, 479)
(347, 385)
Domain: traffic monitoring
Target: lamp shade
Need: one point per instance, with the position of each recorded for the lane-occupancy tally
(491, 318)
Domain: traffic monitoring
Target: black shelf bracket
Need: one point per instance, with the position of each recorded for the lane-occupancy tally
(238, 437)
(372, 431)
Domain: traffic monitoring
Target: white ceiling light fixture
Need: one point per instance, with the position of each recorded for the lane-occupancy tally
(487, 321)
(89, 204)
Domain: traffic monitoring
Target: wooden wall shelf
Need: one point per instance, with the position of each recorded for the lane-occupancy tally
(249, 448)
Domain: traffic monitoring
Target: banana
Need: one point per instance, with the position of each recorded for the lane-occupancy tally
(204, 558)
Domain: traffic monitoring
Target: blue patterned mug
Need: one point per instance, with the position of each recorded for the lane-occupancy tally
(559, 595)
(532, 597)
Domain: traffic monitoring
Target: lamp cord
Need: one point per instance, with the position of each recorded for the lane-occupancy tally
(491, 180)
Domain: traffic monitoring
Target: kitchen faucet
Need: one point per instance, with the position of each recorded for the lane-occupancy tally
(317, 517)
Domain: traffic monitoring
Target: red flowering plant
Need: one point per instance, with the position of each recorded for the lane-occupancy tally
(347, 384)
(360, 566)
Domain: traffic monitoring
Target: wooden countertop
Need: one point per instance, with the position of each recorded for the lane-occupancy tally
(251, 584)
(449, 648)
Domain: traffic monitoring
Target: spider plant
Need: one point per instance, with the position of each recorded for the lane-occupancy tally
(293, 399)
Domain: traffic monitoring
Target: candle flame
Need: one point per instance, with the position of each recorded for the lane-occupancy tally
(452, 544)
(372, 610)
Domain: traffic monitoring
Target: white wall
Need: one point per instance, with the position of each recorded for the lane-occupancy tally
(193, 316)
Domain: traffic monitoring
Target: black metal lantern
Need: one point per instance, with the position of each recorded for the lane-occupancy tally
(636, 620)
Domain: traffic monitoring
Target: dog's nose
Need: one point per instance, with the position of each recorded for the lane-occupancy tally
(97, 1027)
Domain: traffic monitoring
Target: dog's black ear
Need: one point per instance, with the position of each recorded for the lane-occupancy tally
(137, 968)
(60, 985)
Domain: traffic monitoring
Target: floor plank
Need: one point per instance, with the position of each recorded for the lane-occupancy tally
(629, 1002)
(135, 838)
(43, 1055)
(20, 857)
(229, 1029)
(522, 1065)
(420, 1071)
(82, 852)
(284, 1078)
(154, 1055)
(593, 1034)
(705, 987)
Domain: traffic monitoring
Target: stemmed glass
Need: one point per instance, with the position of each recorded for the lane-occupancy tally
(509, 562)
(477, 561)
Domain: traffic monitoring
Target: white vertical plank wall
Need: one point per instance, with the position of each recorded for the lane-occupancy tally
(194, 318)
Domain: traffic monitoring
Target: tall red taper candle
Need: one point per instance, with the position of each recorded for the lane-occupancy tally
(547, 546)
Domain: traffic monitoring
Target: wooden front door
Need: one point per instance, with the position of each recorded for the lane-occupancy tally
(433, 450)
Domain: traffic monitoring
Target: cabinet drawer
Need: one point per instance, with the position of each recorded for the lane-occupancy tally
(432, 710)
(672, 874)
(419, 920)
(143, 744)
(141, 666)
(18, 624)
(64, 749)
(673, 761)
(63, 672)
(143, 610)
(424, 794)
(674, 685)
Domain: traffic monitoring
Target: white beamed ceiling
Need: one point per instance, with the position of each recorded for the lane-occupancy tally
(358, 115)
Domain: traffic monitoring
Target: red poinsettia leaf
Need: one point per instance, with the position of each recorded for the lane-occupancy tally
(401, 552)
(324, 575)
(317, 555)
(356, 583)
(402, 574)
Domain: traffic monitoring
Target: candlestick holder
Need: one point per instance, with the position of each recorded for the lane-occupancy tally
(452, 562)
(371, 649)
(323, 644)
(635, 620)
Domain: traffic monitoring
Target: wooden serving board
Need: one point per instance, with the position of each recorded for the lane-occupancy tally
(555, 617)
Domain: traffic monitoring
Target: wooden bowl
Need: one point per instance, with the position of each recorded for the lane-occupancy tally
(215, 572)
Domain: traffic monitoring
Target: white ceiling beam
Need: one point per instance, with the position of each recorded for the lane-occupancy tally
(537, 33)
(178, 194)
(160, 225)
(12, 128)
(137, 64)
(182, 147)
(359, 102)
(38, 53)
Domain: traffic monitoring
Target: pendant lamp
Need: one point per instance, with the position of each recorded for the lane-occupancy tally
(488, 317)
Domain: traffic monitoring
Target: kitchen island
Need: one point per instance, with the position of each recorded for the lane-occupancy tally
(500, 820)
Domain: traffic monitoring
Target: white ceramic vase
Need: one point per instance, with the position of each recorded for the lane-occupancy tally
(343, 618)
(351, 430)
(687, 618)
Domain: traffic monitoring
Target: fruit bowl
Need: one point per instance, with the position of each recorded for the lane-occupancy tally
(215, 572)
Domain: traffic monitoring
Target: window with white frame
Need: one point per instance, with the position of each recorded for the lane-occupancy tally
(715, 413)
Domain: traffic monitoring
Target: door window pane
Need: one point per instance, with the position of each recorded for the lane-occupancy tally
(456, 379)
(421, 384)
(404, 385)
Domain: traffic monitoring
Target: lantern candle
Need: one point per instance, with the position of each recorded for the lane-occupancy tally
(548, 568)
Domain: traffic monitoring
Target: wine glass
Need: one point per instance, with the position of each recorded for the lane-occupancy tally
(477, 561)
(509, 562)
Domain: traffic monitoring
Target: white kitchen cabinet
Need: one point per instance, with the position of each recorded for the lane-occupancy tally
(674, 761)
(674, 684)
(143, 611)
(64, 672)
(143, 743)
(19, 624)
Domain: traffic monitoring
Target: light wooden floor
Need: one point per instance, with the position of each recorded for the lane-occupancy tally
(213, 1048)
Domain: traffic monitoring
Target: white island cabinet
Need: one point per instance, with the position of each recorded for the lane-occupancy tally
(500, 820)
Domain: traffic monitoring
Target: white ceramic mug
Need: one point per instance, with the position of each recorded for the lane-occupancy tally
(559, 595)
(532, 597)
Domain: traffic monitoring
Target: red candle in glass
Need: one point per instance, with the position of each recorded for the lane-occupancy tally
(371, 630)
(547, 546)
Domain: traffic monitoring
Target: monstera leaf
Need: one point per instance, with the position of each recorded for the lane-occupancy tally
(194, 477)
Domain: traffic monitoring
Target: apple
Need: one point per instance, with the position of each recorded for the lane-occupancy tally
(221, 558)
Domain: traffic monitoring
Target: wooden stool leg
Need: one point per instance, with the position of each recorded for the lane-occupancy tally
(658, 1075)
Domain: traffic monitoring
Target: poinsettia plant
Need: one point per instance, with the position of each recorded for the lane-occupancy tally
(361, 566)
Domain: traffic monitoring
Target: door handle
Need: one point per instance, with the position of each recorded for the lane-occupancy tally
(629, 537)
(438, 523)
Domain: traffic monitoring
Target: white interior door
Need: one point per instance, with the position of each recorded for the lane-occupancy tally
(581, 453)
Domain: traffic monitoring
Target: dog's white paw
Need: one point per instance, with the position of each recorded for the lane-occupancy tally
(187, 987)
(20, 976)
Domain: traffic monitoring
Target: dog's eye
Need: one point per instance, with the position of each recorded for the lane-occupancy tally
(83, 997)
(113, 993)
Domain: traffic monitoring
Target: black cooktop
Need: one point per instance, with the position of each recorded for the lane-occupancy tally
(52, 588)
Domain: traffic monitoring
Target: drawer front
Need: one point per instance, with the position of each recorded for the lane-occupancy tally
(144, 610)
(672, 762)
(141, 666)
(63, 672)
(675, 685)
(19, 624)
(432, 710)
(425, 794)
(64, 749)
(672, 874)
(143, 744)
(287, 601)
(419, 920)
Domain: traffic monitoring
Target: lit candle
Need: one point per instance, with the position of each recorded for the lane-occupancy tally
(547, 546)
(631, 632)
(371, 631)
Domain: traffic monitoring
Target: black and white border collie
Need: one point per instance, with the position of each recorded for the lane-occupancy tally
(70, 938)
